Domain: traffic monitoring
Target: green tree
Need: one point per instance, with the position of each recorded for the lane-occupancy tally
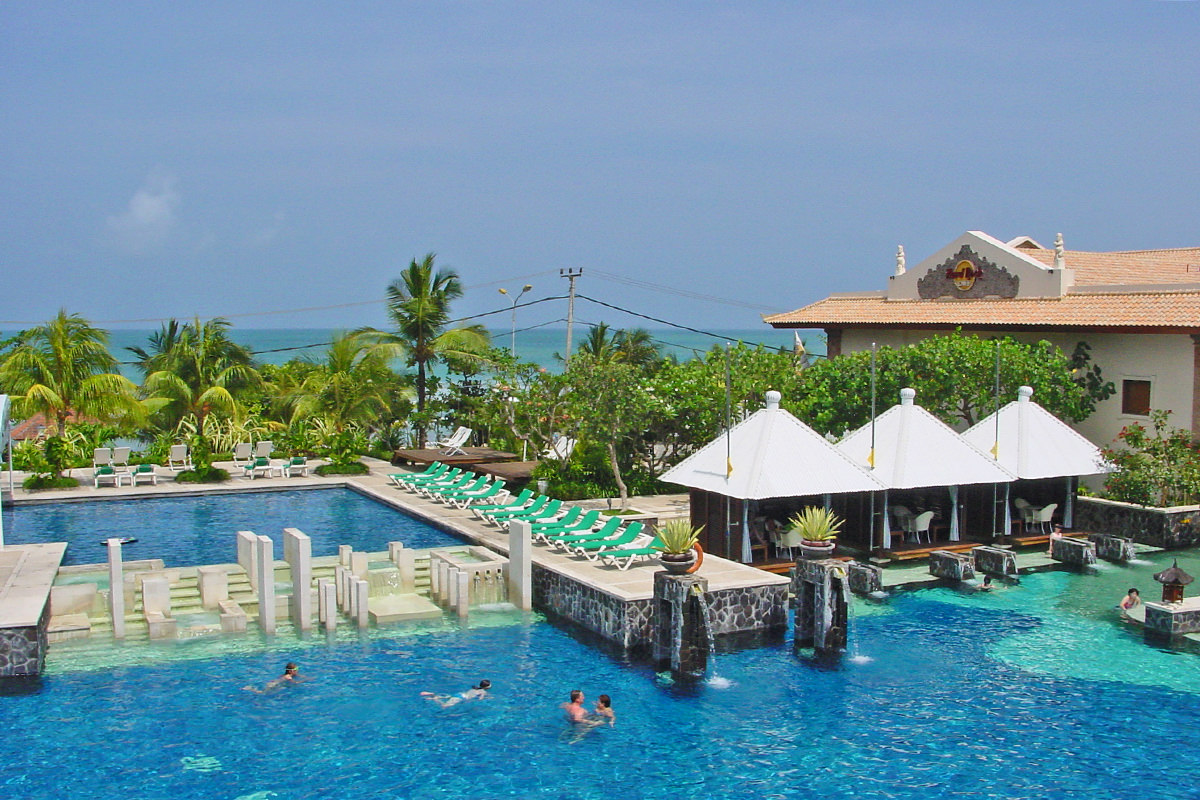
(351, 386)
(418, 304)
(628, 346)
(611, 406)
(201, 374)
(1156, 467)
(954, 377)
(64, 367)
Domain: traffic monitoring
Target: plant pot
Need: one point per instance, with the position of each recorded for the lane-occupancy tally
(815, 551)
(677, 563)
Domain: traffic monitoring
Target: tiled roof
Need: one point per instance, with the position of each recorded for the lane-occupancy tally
(1120, 310)
(1181, 265)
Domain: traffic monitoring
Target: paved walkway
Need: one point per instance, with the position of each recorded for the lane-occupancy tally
(633, 584)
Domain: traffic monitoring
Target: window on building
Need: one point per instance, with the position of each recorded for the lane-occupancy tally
(1135, 398)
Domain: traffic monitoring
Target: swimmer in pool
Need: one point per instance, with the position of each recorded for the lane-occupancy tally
(603, 712)
(575, 711)
(291, 675)
(474, 693)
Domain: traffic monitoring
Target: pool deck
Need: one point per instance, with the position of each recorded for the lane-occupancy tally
(636, 583)
(26, 573)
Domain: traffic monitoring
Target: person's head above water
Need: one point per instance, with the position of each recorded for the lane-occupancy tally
(484, 684)
(576, 695)
(604, 700)
(1133, 592)
(290, 668)
(987, 580)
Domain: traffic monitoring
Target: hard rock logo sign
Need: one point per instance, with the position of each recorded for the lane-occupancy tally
(964, 274)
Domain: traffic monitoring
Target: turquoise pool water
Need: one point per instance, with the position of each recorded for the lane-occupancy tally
(1031, 691)
(186, 531)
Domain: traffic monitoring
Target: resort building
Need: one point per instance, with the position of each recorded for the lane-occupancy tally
(1138, 310)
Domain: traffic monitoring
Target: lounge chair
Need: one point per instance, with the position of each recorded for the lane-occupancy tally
(179, 458)
(561, 449)
(143, 472)
(296, 465)
(543, 531)
(107, 473)
(566, 540)
(624, 558)
(453, 446)
(493, 491)
(500, 516)
(572, 515)
(264, 448)
(102, 457)
(458, 482)
(263, 466)
(417, 481)
(436, 468)
(120, 460)
(520, 501)
(593, 550)
(242, 451)
(438, 492)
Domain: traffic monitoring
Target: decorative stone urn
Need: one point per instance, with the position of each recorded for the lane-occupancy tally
(678, 563)
(815, 551)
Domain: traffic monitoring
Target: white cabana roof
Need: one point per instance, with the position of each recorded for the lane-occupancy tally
(913, 448)
(1033, 443)
(773, 454)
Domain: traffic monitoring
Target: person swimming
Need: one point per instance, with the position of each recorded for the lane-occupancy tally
(1131, 600)
(603, 712)
(474, 693)
(576, 713)
(291, 675)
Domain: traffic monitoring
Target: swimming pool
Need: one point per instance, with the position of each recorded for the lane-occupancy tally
(1030, 691)
(186, 531)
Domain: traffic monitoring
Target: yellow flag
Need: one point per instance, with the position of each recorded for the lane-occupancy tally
(871, 458)
(728, 468)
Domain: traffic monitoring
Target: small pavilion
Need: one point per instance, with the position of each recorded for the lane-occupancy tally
(769, 456)
(922, 463)
(1045, 454)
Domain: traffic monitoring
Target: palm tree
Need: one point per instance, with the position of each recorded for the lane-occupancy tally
(161, 344)
(64, 367)
(632, 346)
(351, 386)
(419, 307)
(201, 372)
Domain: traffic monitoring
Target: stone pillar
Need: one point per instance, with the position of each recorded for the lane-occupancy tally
(995, 561)
(822, 613)
(359, 565)
(1112, 548)
(362, 593)
(406, 562)
(344, 551)
(116, 588)
(681, 624)
(297, 551)
(955, 566)
(520, 565)
(864, 578)
(394, 549)
(247, 555)
(327, 599)
(464, 594)
(1076, 552)
(265, 563)
(452, 586)
(214, 586)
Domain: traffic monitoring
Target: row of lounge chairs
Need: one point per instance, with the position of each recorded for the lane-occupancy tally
(111, 464)
(571, 529)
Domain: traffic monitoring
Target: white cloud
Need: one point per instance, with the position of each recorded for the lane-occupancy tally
(151, 216)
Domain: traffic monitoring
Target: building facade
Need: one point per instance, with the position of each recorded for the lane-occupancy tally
(1138, 310)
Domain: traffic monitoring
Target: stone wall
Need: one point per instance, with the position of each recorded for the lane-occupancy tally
(956, 566)
(23, 650)
(630, 624)
(1170, 528)
(1171, 620)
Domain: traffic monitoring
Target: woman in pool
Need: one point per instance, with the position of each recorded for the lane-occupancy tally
(474, 693)
(1134, 598)
(291, 674)
(604, 711)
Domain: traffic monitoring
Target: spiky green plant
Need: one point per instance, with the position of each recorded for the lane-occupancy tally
(816, 524)
(677, 536)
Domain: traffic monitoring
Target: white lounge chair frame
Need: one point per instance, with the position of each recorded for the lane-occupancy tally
(179, 458)
(242, 452)
(454, 445)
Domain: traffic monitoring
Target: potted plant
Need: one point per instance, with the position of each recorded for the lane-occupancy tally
(818, 528)
(677, 540)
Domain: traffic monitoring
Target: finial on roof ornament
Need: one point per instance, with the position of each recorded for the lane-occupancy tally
(900, 260)
(1060, 259)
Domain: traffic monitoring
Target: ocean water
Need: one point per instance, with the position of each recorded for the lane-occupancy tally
(542, 346)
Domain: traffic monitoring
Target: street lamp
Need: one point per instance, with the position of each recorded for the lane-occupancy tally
(516, 300)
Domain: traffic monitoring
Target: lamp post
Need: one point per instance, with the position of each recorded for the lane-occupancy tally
(517, 299)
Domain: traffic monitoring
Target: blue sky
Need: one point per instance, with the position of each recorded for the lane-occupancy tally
(174, 159)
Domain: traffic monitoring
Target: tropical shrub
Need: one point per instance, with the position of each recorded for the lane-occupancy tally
(677, 536)
(816, 524)
(1155, 467)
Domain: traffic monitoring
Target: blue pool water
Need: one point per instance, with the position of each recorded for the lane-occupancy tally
(185, 531)
(954, 695)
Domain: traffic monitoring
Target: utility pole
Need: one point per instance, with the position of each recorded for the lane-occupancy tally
(570, 273)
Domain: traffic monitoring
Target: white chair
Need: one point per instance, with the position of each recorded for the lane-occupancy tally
(1043, 516)
(921, 526)
(904, 520)
(120, 460)
(179, 458)
(242, 451)
(561, 449)
(143, 472)
(1025, 512)
(453, 446)
(102, 457)
(296, 465)
(788, 540)
(264, 448)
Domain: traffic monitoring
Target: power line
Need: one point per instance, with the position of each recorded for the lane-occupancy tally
(673, 290)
